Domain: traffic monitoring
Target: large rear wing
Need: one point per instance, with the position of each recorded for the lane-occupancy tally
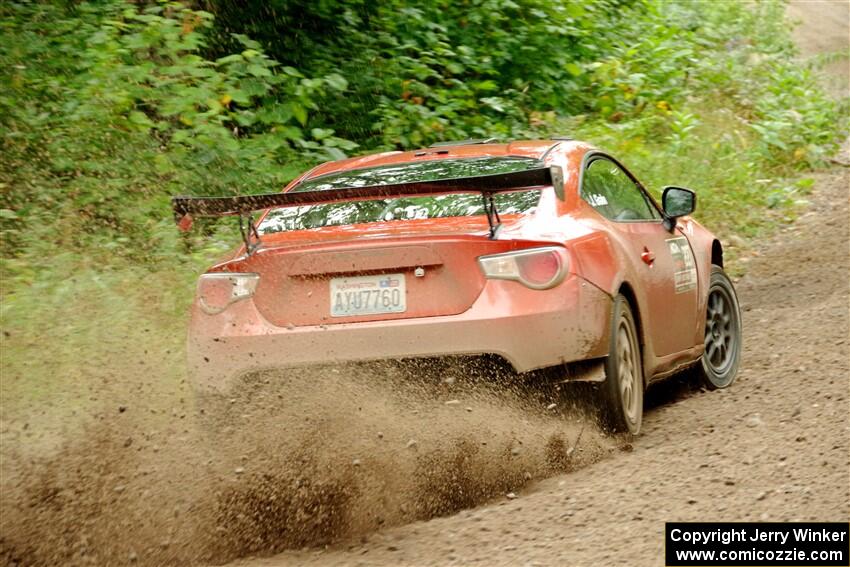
(187, 207)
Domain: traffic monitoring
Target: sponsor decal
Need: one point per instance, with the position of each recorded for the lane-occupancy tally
(684, 265)
(597, 200)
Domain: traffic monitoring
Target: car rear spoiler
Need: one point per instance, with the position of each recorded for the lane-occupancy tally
(187, 207)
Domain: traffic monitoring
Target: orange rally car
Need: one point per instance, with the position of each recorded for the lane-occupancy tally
(546, 253)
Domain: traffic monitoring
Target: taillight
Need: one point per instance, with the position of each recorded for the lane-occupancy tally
(537, 268)
(219, 290)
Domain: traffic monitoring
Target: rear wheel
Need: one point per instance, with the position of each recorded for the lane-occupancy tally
(622, 391)
(722, 356)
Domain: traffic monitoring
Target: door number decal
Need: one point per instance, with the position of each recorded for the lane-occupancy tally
(684, 266)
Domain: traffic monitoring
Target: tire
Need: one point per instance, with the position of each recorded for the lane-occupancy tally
(622, 391)
(719, 363)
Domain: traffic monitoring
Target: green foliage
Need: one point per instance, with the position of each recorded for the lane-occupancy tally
(109, 108)
(449, 70)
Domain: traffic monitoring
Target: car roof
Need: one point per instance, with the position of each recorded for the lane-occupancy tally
(536, 149)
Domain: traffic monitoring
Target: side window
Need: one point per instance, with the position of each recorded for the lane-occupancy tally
(610, 191)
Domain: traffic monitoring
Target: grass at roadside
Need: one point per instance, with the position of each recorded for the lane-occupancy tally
(739, 198)
(82, 340)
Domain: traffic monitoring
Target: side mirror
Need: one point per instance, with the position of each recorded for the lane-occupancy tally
(677, 202)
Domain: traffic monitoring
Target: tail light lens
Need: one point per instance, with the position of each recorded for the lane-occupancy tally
(219, 290)
(537, 268)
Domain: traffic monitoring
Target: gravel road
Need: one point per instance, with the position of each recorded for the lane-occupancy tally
(774, 447)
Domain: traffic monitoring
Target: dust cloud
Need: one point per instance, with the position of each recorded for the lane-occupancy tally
(291, 458)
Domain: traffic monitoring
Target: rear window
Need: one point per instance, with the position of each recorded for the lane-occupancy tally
(404, 208)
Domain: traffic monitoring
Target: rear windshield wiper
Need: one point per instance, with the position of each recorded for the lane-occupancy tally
(247, 229)
(492, 214)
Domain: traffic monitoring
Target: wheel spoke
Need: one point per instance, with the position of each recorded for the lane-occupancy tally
(627, 371)
(626, 391)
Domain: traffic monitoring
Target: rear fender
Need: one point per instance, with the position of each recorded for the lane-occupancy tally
(596, 260)
(601, 263)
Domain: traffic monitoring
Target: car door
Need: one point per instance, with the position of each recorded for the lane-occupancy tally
(661, 260)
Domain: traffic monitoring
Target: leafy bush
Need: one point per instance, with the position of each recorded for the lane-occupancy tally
(448, 70)
(111, 110)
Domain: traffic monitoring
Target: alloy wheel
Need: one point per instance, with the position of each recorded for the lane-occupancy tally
(721, 332)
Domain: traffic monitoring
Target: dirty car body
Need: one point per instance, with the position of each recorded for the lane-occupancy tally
(456, 267)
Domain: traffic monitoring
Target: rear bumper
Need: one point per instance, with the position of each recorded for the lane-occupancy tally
(530, 329)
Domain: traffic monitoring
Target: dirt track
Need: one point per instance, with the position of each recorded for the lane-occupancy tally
(776, 446)
(823, 29)
(137, 485)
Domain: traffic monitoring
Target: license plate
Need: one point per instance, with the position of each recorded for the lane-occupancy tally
(368, 295)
